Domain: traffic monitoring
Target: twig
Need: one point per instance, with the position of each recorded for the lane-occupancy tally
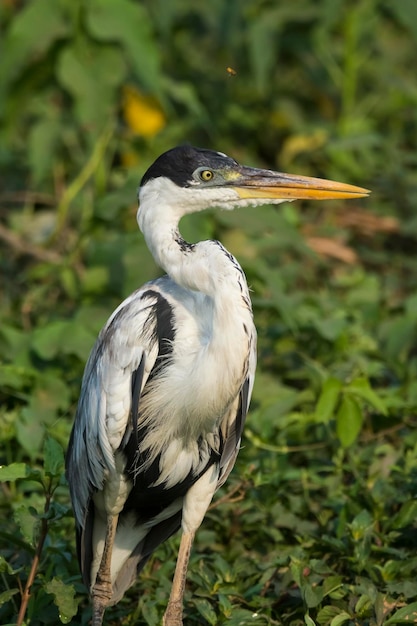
(257, 441)
(35, 563)
(228, 497)
(367, 437)
(27, 196)
(23, 247)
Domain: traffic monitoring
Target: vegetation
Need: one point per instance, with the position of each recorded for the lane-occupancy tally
(317, 524)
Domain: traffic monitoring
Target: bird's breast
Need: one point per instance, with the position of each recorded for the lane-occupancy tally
(204, 373)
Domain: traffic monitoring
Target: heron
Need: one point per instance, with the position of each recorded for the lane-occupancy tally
(167, 386)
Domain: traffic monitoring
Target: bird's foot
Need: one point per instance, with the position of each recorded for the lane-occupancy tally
(101, 594)
(173, 614)
(98, 614)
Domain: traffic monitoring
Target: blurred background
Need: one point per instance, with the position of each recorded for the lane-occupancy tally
(317, 524)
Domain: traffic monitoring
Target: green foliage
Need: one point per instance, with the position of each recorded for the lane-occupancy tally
(317, 523)
(36, 519)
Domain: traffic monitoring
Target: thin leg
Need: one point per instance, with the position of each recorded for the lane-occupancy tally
(102, 590)
(173, 613)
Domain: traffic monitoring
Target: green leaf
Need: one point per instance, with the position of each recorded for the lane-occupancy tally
(29, 431)
(23, 43)
(206, 611)
(149, 612)
(406, 615)
(406, 12)
(78, 341)
(14, 344)
(332, 585)
(91, 74)
(14, 471)
(263, 39)
(5, 596)
(47, 399)
(327, 613)
(95, 280)
(27, 523)
(243, 617)
(56, 511)
(64, 596)
(47, 341)
(361, 525)
(127, 23)
(328, 400)
(340, 619)
(312, 595)
(62, 337)
(54, 458)
(349, 421)
(361, 387)
(7, 568)
(331, 328)
(398, 336)
(407, 515)
(15, 377)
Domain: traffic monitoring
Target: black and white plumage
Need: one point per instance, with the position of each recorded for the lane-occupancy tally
(167, 386)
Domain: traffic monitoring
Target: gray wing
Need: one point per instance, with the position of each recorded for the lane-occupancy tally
(117, 369)
(233, 435)
(234, 422)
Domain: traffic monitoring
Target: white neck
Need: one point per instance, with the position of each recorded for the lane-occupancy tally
(206, 266)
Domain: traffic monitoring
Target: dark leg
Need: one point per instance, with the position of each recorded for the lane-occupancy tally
(102, 590)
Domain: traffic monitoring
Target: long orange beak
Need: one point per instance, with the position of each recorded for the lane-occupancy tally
(251, 182)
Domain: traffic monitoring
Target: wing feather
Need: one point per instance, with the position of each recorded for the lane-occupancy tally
(233, 433)
(107, 408)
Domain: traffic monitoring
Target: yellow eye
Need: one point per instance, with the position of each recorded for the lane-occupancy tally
(206, 175)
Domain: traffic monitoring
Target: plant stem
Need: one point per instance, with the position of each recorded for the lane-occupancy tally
(35, 562)
(78, 183)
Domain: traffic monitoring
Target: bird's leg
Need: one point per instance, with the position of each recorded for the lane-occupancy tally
(102, 589)
(173, 613)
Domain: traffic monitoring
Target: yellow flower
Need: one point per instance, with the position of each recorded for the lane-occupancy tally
(142, 114)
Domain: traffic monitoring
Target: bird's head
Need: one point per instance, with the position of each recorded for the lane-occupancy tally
(187, 179)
